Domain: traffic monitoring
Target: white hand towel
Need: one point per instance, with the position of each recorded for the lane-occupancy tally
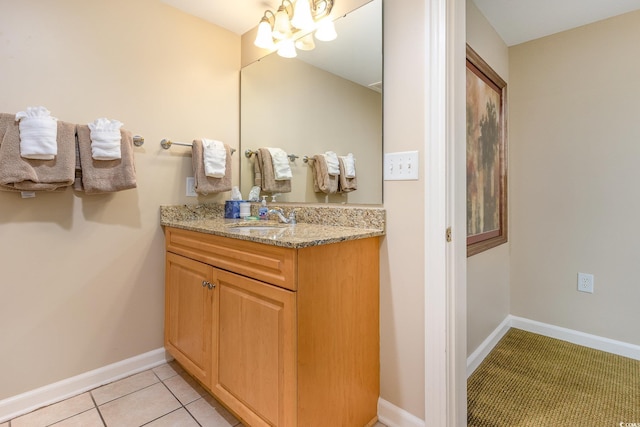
(105, 139)
(215, 158)
(349, 165)
(38, 134)
(281, 168)
(333, 167)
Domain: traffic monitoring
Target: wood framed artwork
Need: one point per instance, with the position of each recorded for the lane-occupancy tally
(486, 156)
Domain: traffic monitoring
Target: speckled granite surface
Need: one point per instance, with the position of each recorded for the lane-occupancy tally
(317, 225)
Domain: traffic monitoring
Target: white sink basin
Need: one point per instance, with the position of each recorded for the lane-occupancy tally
(256, 226)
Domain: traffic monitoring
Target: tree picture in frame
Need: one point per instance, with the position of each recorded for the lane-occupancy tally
(486, 156)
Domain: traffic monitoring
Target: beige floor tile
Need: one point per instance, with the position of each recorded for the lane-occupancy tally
(209, 413)
(168, 370)
(4, 425)
(185, 388)
(56, 412)
(140, 407)
(179, 418)
(90, 418)
(123, 387)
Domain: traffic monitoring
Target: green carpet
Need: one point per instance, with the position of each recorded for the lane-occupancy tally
(532, 380)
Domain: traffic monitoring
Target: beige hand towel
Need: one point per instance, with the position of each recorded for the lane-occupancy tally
(265, 177)
(346, 184)
(105, 176)
(205, 184)
(322, 181)
(20, 174)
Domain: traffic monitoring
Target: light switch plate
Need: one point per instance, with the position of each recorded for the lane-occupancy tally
(401, 166)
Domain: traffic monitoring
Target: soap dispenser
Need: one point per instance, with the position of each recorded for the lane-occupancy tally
(263, 212)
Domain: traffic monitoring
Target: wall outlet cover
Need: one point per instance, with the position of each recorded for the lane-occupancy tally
(585, 282)
(191, 187)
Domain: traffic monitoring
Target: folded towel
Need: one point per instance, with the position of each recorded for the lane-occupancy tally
(38, 131)
(346, 184)
(332, 163)
(105, 176)
(322, 181)
(281, 168)
(215, 158)
(105, 139)
(349, 165)
(20, 174)
(265, 176)
(203, 183)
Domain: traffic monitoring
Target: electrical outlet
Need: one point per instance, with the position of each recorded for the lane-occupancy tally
(191, 187)
(585, 282)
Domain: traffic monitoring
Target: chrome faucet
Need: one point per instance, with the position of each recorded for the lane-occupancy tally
(280, 213)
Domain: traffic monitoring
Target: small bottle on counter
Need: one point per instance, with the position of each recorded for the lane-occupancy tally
(263, 212)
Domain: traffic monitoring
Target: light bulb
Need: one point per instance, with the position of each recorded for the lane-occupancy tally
(281, 26)
(264, 39)
(302, 18)
(326, 30)
(286, 49)
(306, 42)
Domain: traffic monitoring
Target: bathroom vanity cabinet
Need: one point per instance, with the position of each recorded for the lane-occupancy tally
(281, 336)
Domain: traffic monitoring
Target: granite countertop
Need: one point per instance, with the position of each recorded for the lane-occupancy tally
(323, 225)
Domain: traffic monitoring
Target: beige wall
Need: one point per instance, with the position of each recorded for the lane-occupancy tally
(487, 272)
(402, 254)
(331, 112)
(82, 277)
(574, 134)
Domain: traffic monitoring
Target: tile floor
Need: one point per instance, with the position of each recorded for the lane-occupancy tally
(161, 397)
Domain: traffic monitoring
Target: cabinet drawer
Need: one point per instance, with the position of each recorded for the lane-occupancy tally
(271, 264)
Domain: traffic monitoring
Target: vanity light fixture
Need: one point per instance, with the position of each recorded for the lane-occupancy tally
(293, 19)
(326, 31)
(306, 42)
(264, 39)
(286, 49)
(282, 24)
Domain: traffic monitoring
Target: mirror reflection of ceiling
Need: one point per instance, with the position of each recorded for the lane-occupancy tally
(356, 43)
(359, 42)
(523, 20)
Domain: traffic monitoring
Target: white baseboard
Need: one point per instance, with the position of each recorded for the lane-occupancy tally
(56, 392)
(576, 337)
(392, 416)
(474, 360)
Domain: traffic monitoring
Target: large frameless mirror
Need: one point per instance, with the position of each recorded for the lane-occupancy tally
(325, 99)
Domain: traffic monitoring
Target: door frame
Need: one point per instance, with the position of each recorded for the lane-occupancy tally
(445, 200)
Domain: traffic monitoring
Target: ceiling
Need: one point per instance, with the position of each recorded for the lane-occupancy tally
(516, 21)
(237, 16)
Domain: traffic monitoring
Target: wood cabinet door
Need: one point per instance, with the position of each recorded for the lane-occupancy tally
(189, 314)
(254, 350)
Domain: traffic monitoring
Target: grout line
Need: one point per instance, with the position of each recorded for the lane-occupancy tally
(179, 401)
(104, 423)
(191, 415)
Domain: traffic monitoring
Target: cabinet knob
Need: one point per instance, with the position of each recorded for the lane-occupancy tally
(208, 284)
